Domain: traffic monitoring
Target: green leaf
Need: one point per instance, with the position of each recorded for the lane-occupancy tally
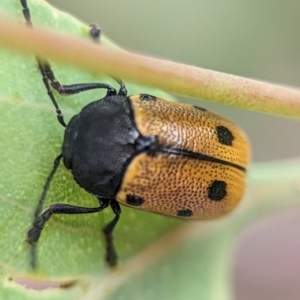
(159, 256)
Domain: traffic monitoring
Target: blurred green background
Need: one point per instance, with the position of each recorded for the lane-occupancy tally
(255, 39)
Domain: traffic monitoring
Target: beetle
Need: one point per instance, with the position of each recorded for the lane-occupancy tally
(147, 153)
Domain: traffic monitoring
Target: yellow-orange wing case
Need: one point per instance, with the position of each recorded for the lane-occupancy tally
(200, 172)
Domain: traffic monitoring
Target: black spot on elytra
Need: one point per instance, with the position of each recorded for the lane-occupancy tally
(200, 108)
(217, 190)
(134, 200)
(146, 97)
(184, 213)
(225, 137)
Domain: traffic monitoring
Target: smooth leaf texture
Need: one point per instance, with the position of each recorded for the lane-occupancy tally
(160, 257)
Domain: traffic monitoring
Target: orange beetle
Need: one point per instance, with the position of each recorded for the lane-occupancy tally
(196, 169)
(148, 153)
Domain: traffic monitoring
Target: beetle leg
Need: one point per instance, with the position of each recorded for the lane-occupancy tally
(111, 254)
(47, 73)
(40, 220)
(41, 201)
(57, 208)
